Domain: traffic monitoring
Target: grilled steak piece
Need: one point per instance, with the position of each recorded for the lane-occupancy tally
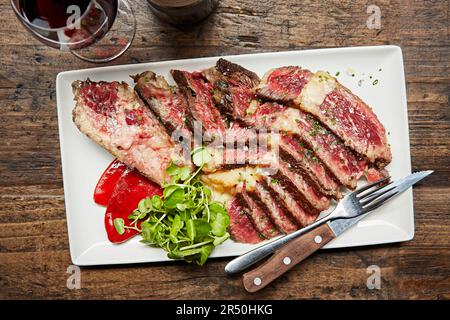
(279, 215)
(283, 84)
(315, 199)
(200, 101)
(303, 160)
(335, 106)
(259, 218)
(233, 87)
(241, 228)
(340, 160)
(166, 102)
(111, 114)
(298, 209)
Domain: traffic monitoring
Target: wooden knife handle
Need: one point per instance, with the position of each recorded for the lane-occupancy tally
(286, 257)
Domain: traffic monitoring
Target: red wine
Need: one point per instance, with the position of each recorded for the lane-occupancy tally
(50, 14)
(81, 26)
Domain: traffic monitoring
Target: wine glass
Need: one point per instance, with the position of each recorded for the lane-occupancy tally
(93, 30)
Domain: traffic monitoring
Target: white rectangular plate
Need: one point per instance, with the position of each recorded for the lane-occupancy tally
(83, 161)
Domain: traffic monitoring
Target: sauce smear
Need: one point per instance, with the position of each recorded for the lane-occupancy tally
(105, 186)
(131, 188)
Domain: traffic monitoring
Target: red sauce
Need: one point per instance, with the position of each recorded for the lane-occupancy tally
(129, 190)
(105, 186)
(100, 97)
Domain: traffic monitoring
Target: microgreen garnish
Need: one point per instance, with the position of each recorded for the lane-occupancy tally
(185, 221)
(119, 224)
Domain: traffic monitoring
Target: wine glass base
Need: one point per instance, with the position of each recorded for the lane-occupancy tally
(116, 41)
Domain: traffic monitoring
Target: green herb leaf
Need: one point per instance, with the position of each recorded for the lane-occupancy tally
(142, 205)
(220, 224)
(200, 156)
(220, 240)
(202, 229)
(190, 229)
(204, 254)
(119, 224)
(184, 173)
(157, 202)
(177, 224)
(173, 169)
(174, 198)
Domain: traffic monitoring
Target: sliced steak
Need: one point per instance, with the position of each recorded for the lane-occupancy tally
(335, 106)
(303, 160)
(241, 228)
(166, 102)
(111, 114)
(260, 219)
(283, 84)
(298, 209)
(340, 160)
(278, 213)
(354, 122)
(233, 87)
(315, 199)
(200, 101)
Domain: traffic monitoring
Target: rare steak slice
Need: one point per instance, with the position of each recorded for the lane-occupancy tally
(241, 228)
(297, 208)
(339, 159)
(304, 188)
(274, 207)
(258, 216)
(283, 84)
(304, 160)
(233, 87)
(200, 102)
(341, 111)
(166, 102)
(111, 114)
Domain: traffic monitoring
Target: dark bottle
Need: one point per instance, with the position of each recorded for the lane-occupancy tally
(182, 12)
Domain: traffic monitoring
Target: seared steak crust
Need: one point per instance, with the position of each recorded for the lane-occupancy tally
(166, 102)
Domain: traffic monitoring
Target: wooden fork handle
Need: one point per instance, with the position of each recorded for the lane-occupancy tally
(286, 257)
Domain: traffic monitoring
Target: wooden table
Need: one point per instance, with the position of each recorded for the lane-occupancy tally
(34, 249)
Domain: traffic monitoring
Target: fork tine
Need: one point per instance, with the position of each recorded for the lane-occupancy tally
(380, 200)
(370, 185)
(376, 193)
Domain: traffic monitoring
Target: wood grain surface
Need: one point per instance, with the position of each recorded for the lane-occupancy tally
(34, 250)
